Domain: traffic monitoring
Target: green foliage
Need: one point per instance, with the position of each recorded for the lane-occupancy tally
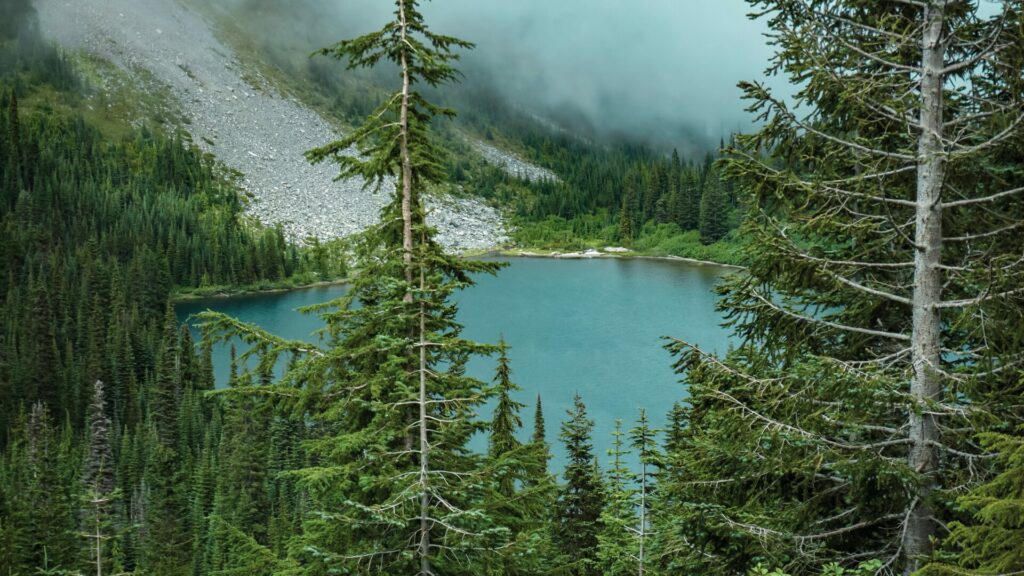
(582, 498)
(714, 212)
(617, 546)
(390, 483)
(990, 539)
(828, 433)
(97, 232)
(41, 469)
(864, 569)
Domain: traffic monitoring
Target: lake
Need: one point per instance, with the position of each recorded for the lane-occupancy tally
(591, 326)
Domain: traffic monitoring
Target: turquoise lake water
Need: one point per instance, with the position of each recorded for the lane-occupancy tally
(587, 326)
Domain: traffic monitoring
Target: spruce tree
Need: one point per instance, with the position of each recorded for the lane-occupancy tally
(539, 431)
(577, 517)
(617, 545)
(990, 540)
(877, 321)
(99, 483)
(165, 397)
(643, 439)
(44, 503)
(394, 488)
(505, 422)
(714, 212)
(687, 208)
(523, 491)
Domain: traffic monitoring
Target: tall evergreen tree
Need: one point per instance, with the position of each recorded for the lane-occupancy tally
(581, 499)
(165, 397)
(523, 490)
(391, 390)
(687, 209)
(642, 438)
(43, 502)
(505, 422)
(878, 317)
(714, 211)
(539, 429)
(99, 483)
(991, 539)
(617, 546)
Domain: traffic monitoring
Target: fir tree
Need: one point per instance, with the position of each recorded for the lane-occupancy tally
(626, 218)
(521, 498)
(391, 390)
(166, 395)
(882, 205)
(99, 483)
(44, 508)
(714, 212)
(164, 511)
(617, 546)
(577, 518)
(505, 422)
(642, 439)
(687, 209)
(539, 431)
(991, 539)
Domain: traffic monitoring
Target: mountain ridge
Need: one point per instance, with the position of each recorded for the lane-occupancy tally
(233, 112)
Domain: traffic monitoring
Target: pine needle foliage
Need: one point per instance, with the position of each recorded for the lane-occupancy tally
(879, 321)
(393, 487)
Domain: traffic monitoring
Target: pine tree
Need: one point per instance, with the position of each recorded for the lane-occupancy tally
(99, 483)
(714, 212)
(523, 490)
(875, 318)
(617, 546)
(166, 530)
(43, 507)
(642, 438)
(242, 486)
(626, 217)
(687, 208)
(991, 539)
(539, 429)
(166, 395)
(577, 518)
(505, 422)
(391, 391)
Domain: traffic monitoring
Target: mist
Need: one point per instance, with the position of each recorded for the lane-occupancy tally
(659, 71)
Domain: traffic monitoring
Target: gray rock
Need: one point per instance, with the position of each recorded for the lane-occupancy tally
(262, 135)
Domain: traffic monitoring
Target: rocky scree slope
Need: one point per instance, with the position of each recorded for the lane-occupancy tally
(250, 127)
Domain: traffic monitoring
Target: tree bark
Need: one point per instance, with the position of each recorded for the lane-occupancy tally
(926, 337)
(425, 568)
(643, 516)
(403, 121)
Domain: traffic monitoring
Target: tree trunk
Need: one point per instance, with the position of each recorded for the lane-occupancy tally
(643, 517)
(424, 446)
(926, 337)
(403, 121)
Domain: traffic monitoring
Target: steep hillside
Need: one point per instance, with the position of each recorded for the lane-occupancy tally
(234, 113)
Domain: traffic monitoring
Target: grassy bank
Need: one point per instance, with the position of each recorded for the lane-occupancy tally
(559, 235)
(296, 282)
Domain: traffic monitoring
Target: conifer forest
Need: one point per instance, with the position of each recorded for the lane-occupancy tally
(857, 194)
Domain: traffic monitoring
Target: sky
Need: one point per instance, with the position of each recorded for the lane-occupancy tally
(651, 66)
(659, 70)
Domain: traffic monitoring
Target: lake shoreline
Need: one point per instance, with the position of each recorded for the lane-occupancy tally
(229, 292)
(586, 255)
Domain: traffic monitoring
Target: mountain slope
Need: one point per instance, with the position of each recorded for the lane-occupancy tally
(232, 112)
